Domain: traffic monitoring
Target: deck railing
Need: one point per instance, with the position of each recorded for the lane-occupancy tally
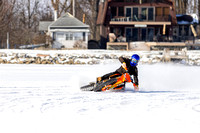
(156, 18)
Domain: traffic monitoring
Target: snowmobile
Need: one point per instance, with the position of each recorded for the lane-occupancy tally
(114, 82)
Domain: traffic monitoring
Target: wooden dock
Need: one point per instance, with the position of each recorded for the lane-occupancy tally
(177, 55)
(162, 45)
(117, 45)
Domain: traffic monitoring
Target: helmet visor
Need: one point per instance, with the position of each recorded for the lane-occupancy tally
(134, 61)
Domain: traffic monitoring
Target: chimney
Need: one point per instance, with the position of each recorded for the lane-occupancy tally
(55, 15)
(83, 18)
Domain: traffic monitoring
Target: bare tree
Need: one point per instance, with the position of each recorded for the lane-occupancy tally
(185, 6)
(28, 12)
(26, 22)
(46, 13)
(6, 14)
(181, 6)
(94, 8)
(199, 18)
(61, 6)
(199, 8)
(90, 9)
(195, 7)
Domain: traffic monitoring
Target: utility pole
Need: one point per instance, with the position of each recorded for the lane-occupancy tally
(8, 46)
(74, 8)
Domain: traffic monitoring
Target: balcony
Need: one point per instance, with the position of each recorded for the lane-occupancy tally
(136, 1)
(142, 19)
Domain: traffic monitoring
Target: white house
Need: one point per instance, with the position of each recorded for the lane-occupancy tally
(66, 31)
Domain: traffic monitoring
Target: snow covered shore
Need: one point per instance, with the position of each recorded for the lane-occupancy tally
(87, 56)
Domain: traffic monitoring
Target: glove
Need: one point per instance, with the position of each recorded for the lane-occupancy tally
(136, 88)
(124, 66)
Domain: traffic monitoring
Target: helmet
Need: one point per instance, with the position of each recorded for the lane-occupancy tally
(134, 60)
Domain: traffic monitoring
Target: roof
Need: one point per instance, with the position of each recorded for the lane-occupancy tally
(67, 20)
(43, 25)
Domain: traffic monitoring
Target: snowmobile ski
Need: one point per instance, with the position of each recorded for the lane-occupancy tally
(89, 87)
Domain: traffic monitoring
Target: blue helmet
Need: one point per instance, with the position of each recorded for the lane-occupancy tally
(134, 60)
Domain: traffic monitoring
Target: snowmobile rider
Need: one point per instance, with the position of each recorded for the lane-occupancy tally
(129, 65)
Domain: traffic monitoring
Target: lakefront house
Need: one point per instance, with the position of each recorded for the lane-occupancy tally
(136, 20)
(66, 32)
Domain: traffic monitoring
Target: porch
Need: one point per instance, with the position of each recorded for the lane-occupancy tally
(146, 33)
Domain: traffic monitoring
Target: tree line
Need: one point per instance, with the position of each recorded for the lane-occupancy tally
(187, 6)
(20, 18)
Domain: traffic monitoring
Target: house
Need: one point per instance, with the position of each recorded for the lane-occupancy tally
(66, 32)
(136, 20)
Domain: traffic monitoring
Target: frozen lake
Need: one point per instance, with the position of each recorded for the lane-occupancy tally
(47, 99)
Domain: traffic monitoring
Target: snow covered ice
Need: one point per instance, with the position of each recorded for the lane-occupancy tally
(47, 99)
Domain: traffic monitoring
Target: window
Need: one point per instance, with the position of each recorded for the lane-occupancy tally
(135, 34)
(69, 36)
(150, 34)
(144, 13)
(128, 34)
(84, 36)
(78, 36)
(113, 11)
(144, 34)
(150, 14)
(121, 11)
(158, 11)
(132, 13)
(165, 11)
(128, 12)
(144, 1)
(135, 14)
(59, 36)
(140, 14)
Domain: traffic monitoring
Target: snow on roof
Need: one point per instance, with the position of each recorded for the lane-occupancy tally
(187, 19)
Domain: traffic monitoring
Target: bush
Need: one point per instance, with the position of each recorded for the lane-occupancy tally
(80, 44)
